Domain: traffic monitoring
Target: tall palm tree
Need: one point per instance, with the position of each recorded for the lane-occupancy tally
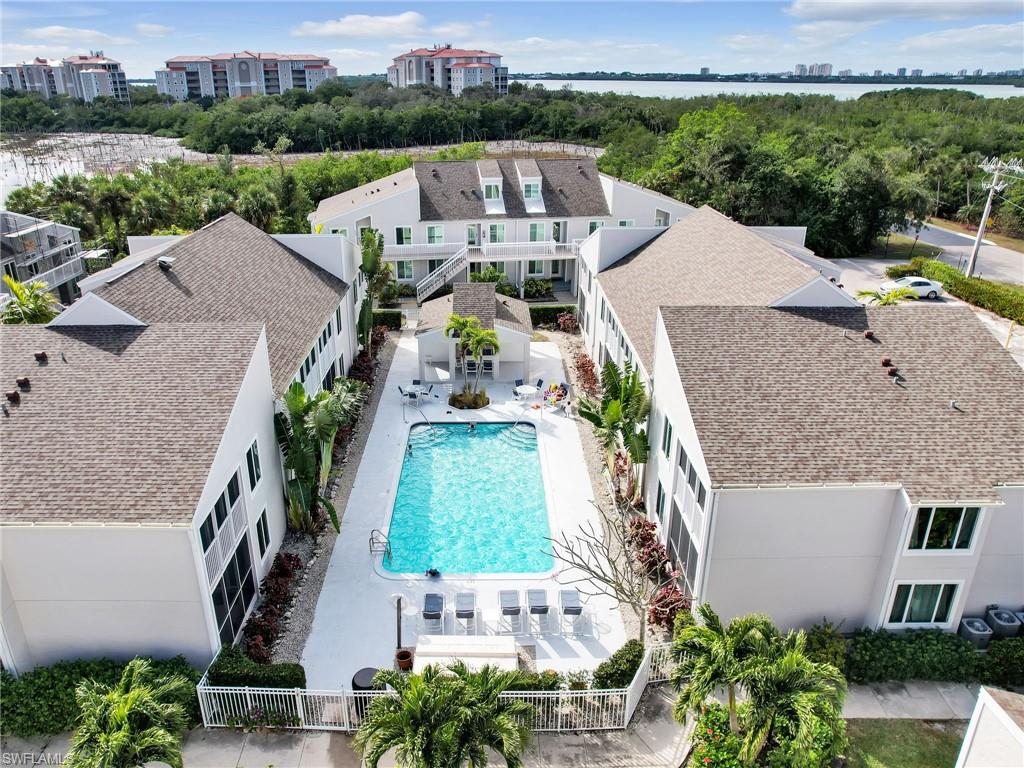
(138, 720)
(710, 655)
(377, 273)
(479, 340)
(30, 303)
(496, 723)
(257, 205)
(607, 422)
(619, 418)
(888, 299)
(461, 327)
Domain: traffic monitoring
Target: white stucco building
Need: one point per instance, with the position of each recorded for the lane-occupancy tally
(448, 68)
(80, 76)
(995, 735)
(245, 73)
(36, 249)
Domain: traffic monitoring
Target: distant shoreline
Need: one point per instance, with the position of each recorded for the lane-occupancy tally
(1017, 82)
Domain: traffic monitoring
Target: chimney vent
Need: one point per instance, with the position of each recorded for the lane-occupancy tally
(40, 356)
(23, 382)
(14, 396)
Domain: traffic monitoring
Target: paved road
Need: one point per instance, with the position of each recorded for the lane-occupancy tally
(994, 261)
(942, 237)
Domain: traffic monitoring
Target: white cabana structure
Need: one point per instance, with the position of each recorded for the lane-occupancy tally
(475, 651)
(510, 318)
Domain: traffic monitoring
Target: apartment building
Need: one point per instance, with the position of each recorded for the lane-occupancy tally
(157, 390)
(812, 457)
(247, 73)
(83, 77)
(35, 249)
(450, 69)
(442, 220)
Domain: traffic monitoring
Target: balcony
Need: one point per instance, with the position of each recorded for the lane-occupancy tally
(422, 250)
(512, 251)
(61, 274)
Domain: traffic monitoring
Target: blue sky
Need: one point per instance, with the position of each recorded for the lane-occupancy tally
(862, 35)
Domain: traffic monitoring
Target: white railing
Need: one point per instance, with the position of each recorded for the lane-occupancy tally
(437, 278)
(62, 272)
(507, 251)
(554, 711)
(412, 250)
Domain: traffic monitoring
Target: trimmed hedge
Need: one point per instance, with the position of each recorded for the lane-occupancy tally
(619, 669)
(390, 318)
(233, 667)
(1005, 300)
(548, 315)
(42, 702)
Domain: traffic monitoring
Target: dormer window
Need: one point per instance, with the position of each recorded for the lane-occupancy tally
(492, 192)
(531, 191)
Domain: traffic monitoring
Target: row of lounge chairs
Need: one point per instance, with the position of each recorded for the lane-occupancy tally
(537, 616)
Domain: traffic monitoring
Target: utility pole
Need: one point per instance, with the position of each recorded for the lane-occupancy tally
(1012, 170)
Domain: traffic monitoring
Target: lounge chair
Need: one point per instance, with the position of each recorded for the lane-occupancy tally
(537, 599)
(465, 612)
(433, 613)
(511, 621)
(571, 609)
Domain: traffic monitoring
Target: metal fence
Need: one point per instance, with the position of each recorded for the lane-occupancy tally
(587, 710)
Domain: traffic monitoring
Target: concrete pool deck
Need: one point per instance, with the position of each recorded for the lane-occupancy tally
(354, 625)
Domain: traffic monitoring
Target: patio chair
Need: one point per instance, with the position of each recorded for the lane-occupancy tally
(416, 382)
(465, 612)
(516, 385)
(540, 384)
(401, 392)
(571, 609)
(433, 613)
(489, 366)
(511, 621)
(470, 367)
(537, 600)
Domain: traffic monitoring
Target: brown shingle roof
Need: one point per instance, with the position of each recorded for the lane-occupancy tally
(230, 271)
(704, 259)
(480, 301)
(782, 396)
(121, 424)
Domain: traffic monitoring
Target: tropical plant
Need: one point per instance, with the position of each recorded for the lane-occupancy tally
(136, 721)
(30, 303)
(496, 723)
(490, 274)
(479, 341)
(889, 298)
(257, 205)
(377, 274)
(461, 328)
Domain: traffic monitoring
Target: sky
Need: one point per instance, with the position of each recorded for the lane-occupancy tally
(361, 38)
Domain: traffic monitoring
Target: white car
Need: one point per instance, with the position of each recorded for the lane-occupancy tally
(922, 286)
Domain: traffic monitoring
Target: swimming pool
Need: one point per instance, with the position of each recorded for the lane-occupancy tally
(470, 501)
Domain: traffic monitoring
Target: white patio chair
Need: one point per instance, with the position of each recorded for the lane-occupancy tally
(571, 610)
(511, 621)
(537, 600)
(433, 613)
(465, 612)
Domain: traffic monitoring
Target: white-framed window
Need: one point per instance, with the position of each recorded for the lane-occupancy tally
(337, 319)
(403, 270)
(536, 232)
(531, 190)
(626, 222)
(403, 235)
(435, 233)
(492, 192)
(434, 264)
(471, 234)
(263, 534)
(535, 268)
(496, 233)
(923, 603)
(666, 437)
(944, 528)
(659, 505)
(594, 226)
(252, 463)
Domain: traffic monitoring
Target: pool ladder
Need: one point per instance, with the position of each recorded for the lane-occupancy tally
(379, 542)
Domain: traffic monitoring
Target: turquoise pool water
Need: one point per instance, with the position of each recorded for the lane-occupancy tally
(470, 501)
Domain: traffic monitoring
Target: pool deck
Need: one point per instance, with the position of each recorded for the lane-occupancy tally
(354, 624)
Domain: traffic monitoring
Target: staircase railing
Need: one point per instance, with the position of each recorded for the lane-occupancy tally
(432, 282)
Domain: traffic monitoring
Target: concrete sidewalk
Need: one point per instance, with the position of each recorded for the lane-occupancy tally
(917, 700)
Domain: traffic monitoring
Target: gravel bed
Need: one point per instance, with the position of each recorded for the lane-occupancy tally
(316, 553)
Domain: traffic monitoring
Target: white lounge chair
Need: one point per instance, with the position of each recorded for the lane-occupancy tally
(465, 612)
(537, 600)
(433, 613)
(571, 610)
(511, 621)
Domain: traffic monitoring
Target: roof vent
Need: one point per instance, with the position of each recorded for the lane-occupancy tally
(14, 396)
(953, 405)
(892, 370)
(434, 173)
(886, 362)
(869, 335)
(165, 262)
(40, 357)
(23, 383)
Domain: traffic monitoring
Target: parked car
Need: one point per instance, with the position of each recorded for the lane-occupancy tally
(922, 286)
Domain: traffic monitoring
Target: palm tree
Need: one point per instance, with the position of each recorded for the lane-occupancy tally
(479, 340)
(257, 205)
(888, 299)
(496, 723)
(328, 413)
(710, 655)
(377, 273)
(138, 720)
(30, 303)
(461, 328)
(607, 422)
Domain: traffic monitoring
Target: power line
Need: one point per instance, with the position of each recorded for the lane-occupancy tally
(1011, 170)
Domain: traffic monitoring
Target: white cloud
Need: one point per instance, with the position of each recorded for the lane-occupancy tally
(830, 32)
(406, 24)
(750, 43)
(876, 10)
(983, 38)
(18, 52)
(74, 35)
(153, 30)
(351, 53)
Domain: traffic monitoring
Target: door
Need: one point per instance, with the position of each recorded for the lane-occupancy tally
(559, 231)
(473, 234)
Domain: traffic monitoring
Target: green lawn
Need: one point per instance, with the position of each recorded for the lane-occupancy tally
(902, 248)
(903, 743)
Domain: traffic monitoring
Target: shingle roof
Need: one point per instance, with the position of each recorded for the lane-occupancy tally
(231, 271)
(480, 301)
(703, 259)
(120, 424)
(569, 187)
(799, 395)
(374, 191)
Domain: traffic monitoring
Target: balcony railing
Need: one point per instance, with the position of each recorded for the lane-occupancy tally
(423, 250)
(507, 251)
(62, 273)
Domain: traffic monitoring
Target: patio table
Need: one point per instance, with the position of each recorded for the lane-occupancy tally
(416, 389)
(526, 390)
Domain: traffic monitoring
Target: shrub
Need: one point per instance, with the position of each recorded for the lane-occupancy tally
(467, 399)
(619, 669)
(576, 680)
(683, 620)
(406, 290)
(586, 373)
(534, 288)
(923, 654)
(827, 645)
(668, 601)
(713, 743)
(548, 315)
(389, 318)
(548, 680)
(896, 271)
(653, 557)
(42, 702)
(1003, 299)
(264, 625)
(389, 296)
(362, 368)
(567, 322)
(1004, 663)
(491, 274)
(641, 532)
(233, 667)
(379, 336)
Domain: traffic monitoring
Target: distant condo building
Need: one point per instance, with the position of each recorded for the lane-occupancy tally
(705, 70)
(820, 70)
(916, 72)
(80, 77)
(978, 73)
(901, 72)
(248, 73)
(450, 69)
(877, 73)
(800, 70)
(845, 72)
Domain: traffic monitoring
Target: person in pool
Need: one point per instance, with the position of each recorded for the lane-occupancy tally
(432, 573)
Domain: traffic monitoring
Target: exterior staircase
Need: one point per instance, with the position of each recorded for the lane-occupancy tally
(429, 285)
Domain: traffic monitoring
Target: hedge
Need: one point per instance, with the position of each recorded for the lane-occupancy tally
(42, 702)
(548, 314)
(619, 669)
(233, 667)
(1003, 299)
(392, 318)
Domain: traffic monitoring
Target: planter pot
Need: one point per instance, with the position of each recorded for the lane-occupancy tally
(403, 658)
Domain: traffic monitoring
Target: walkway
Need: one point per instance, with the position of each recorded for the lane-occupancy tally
(917, 700)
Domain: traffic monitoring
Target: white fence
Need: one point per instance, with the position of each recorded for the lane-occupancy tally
(589, 710)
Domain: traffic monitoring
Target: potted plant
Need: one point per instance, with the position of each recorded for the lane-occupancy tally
(403, 658)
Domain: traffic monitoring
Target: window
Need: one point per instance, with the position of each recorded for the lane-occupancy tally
(471, 231)
(263, 534)
(602, 310)
(536, 232)
(531, 191)
(922, 604)
(701, 494)
(207, 532)
(234, 593)
(682, 458)
(595, 225)
(625, 222)
(403, 270)
(535, 268)
(252, 462)
(691, 478)
(343, 231)
(233, 490)
(403, 235)
(433, 264)
(497, 233)
(666, 437)
(944, 528)
(435, 234)
(492, 192)
(337, 319)
(659, 506)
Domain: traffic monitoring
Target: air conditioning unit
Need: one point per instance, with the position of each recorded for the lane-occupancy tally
(976, 632)
(1002, 621)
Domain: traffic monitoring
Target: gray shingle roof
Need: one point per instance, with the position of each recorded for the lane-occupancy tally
(121, 424)
(480, 301)
(231, 271)
(569, 188)
(703, 259)
(783, 396)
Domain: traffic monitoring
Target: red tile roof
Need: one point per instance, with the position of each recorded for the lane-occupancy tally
(480, 64)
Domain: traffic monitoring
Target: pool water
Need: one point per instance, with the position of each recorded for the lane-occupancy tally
(470, 501)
